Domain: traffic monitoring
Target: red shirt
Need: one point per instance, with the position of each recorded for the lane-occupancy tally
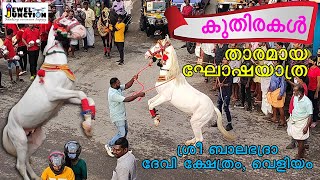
(187, 11)
(14, 27)
(19, 37)
(10, 48)
(31, 35)
(44, 31)
(313, 73)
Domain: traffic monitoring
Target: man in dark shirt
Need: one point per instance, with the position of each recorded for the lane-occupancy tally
(224, 84)
(245, 88)
(220, 52)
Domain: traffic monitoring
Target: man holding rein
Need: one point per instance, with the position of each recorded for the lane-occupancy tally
(117, 109)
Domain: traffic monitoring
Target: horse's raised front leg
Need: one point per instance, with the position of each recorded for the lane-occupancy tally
(88, 106)
(157, 100)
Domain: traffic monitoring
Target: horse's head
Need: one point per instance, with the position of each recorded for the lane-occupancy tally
(161, 52)
(105, 14)
(164, 53)
(62, 30)
(69, 28)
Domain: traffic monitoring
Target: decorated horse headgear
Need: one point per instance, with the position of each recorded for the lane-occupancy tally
(105, 14)
(62, 26)
(161, 53)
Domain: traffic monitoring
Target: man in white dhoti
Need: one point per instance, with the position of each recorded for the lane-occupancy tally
(89, 21)
(266, 108)
(300, 120)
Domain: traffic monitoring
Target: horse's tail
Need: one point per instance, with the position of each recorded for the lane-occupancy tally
(6, 142)
(225, 133)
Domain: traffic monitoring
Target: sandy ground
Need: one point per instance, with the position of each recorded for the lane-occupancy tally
(93, 72)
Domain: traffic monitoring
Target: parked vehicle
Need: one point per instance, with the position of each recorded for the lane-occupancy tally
(227, 5)
(152, 19)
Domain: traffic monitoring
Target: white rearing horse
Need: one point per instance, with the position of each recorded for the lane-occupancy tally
(23, 132)
(173, 87)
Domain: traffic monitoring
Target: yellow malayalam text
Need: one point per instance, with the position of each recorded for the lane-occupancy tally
(269, 55)
(188, 70)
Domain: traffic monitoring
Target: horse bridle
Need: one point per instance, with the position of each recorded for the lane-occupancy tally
(66, 27)
(161, 50)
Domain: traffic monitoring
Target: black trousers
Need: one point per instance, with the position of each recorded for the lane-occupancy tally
(246, 95)
(120, 47)
(314, 104)
(33, 61)
(225, 102)
(24, 59)
(85, 41)
(104, 39)
(43, 45)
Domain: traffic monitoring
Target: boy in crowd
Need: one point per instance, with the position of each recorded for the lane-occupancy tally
(224, 84)
(72, 150)
(10, 56)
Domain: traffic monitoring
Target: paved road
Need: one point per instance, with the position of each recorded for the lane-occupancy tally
(93, 72)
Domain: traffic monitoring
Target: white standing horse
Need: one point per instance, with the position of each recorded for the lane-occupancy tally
(173, 87)
(23, 134)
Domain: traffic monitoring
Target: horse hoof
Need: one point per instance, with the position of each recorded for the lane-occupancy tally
(87, 128)
(190, 142)
(156, 120)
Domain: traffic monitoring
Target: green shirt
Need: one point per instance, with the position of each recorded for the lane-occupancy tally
(80, 170)
(97, 11)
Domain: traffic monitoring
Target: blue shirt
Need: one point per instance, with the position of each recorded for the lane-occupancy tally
(116, 104)
(278, 82)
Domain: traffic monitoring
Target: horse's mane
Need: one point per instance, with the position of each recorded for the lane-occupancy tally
(174, 70)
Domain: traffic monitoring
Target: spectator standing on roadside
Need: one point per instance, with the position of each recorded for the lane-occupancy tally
(29, 38)
(81, 17)
(126, 162)
(22, 47)
(89, 21)
(119, 38)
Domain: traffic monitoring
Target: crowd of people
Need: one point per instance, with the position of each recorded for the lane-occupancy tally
(269, 94)
(30, 40)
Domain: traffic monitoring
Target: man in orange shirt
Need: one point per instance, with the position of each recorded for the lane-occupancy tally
(23, 48)
(10, 56)
(29, 38)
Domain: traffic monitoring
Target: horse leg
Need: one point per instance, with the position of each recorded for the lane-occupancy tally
(87, 104)
(197, 122)
(34, 142)
(157, 100)
(19, 139)
(153, 99)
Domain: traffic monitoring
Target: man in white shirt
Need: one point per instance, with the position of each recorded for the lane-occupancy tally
(89, 21)
(126, 168)
(208, 56)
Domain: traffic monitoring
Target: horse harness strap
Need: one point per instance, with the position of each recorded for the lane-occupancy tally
(54, 52)
(162, 48)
